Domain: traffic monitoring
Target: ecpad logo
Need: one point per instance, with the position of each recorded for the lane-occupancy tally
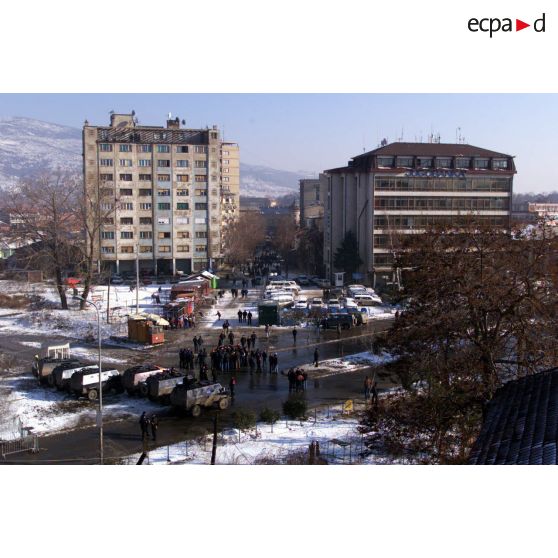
(493, 25)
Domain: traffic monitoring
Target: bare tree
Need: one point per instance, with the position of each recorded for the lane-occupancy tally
(45, 212)
(481, 310)
(243, 236)
(284, 238)
(96, 207)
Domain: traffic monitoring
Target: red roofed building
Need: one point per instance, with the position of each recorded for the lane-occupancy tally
(404, 188)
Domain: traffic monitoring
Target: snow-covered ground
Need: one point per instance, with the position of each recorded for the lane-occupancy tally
(73, 323)
(47, 410)
(336, 433)
(351, 363)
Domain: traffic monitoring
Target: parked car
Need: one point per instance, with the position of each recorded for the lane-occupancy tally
(303, 280)
(134, 379)
(323, 283)
(301, 303)
(345, 321)
(316, 302)
(192, 395)
(368, 299)
(62, 374)
(333, 304)
(349, 302)
(117, 280)
(85, 382)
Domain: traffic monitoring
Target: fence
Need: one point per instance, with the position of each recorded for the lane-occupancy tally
(327, 436)
(27, 442)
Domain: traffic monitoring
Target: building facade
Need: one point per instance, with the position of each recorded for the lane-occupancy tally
(404, 188)
(313, 193)
(165, 195)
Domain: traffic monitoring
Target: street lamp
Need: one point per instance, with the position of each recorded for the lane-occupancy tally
(100, 412)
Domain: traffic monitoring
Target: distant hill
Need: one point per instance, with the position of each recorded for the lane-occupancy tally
(29, 146)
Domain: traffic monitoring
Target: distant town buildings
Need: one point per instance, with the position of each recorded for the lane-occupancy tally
(403, 188)
(313, 193)
(168, 193)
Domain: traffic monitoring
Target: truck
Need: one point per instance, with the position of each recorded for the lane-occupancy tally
(85, 382)
(134, 379)
(192, 396)
(54, 355)
(160, 386)
(60, 377)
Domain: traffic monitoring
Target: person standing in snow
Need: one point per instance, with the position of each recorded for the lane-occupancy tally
(144, 425)
(294, 335)
(316, 357)
(154, 425)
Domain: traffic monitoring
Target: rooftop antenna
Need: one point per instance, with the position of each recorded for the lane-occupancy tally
(402, 135)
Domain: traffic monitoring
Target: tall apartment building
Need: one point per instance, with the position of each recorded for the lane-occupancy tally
(165, 193)
(403, 188)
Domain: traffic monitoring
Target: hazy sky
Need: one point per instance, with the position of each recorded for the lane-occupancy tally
(320, 131)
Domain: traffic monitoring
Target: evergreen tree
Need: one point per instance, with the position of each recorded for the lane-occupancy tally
(347, 257)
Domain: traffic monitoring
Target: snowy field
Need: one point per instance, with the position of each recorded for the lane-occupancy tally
(351, 363)
(46, 318)
(340, 443)
(48, 410)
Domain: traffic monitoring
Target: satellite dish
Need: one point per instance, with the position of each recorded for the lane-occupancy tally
(183, 122)
(133, 112)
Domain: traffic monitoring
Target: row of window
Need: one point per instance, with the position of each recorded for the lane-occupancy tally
(163, 206)
(147, 148)
(443, 184)
(149, 249)
(146, 235)
(143, 192)
(128, 177)
(442, 203)
(161, 163)
(463, 163)
(405, 222)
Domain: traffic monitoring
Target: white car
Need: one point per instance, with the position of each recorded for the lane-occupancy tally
(116, 280)
(301, 304)
(350, 303)
(368, 300)
(333, 304)
(316, 303)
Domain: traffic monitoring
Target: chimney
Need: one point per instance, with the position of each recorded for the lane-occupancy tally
(173, 124)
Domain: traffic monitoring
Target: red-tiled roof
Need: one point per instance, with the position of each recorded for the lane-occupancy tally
(405, 149)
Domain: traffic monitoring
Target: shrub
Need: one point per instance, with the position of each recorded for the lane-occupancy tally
(269, 416)
(244, 419)
(295, 407)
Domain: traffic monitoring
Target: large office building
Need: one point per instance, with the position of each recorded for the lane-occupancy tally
(404, 188)
(166, 194)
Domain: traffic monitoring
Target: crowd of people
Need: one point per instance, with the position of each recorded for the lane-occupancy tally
(297, 379)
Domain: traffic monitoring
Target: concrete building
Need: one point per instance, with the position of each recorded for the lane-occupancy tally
(313, 193)
(403, 188)
(167, 193)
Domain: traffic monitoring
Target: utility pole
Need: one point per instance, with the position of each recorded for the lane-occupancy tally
(137, 278)
(214, 447)
(108, 300)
